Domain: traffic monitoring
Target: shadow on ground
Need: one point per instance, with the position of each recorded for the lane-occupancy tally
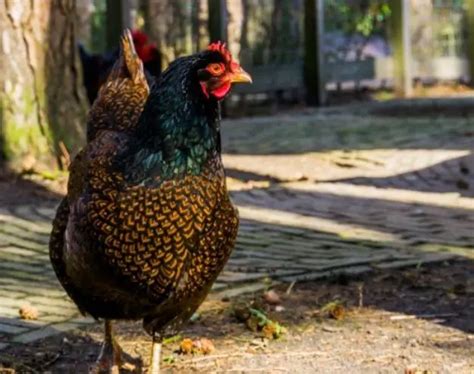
(454, 175)
(443, 124)
(437, 294)
(16, 189)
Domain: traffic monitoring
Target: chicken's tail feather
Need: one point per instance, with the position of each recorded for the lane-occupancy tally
(133, 63)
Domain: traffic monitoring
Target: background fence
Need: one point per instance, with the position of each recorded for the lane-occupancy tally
(268, 37)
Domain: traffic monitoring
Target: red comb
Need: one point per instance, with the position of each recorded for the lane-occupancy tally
(148, 52)
(139, 38)
(221, 48)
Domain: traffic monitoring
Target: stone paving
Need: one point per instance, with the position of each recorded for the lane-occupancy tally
(312, 204)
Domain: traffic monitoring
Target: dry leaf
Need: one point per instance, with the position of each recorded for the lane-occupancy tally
(252, 323)
(28, 312)
(334, 309)
(269, 330)
(417, 371)
(338, 312)
(186, 346)
(204, 346)
(271, 297)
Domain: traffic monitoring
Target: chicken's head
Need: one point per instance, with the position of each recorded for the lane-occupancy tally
(139, 38)
(220, 71)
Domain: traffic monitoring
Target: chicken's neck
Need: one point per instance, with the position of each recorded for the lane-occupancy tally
(182, 136)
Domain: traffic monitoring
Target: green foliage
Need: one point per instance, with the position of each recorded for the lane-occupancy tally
(172, 339)
(270, 329)
(365, 17)
(98, 27)
(170, 359)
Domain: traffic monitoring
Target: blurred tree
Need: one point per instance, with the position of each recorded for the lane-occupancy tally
(234, 26)
(169, 24)
(271, 32)
(218, 17)
(42, 104)
(282, 35)
(315, 84)
(401, 44)
(421, 31)
(118, 19)
(365, 17)
(200, 32)
(357, 17)
(84, 10)
(98, 27)
(470, 38)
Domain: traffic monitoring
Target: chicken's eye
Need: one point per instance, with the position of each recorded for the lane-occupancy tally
(215, 69)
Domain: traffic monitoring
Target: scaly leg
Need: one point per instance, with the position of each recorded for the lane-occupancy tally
(109, 360)
(155, 356)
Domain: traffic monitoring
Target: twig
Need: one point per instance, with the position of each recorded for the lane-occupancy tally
(244, 354)
(360, 289)
(247, 370)
(66, 157)
(411, 316)
(51, 361)
(290, 287)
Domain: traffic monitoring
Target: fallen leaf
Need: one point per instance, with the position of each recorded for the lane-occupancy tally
(271, 297)
(186, 346)
(170, 359)
(28, 312)
(338, 312)
(241, 312)
(334, 309)
(204, 346)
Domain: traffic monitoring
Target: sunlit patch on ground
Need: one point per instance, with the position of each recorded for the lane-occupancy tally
(323, 195)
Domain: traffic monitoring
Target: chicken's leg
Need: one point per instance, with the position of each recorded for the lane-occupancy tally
(109, 360)
(155, 356)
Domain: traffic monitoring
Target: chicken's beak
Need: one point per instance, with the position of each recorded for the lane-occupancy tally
(241, 76)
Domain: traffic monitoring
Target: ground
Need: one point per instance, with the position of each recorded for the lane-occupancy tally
(401, 319)
(363, 214)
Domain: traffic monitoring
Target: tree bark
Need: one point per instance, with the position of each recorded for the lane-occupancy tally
(235, 17)
(83, 27)
(200, 30)
(169, 24)
(421, 30)
(42, 104)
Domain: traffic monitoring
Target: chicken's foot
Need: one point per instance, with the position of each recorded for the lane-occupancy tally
(155, 356)
(109, 360)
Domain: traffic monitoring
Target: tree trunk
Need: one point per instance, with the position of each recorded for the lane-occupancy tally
(118, 19)
(200, 31)
(169, 25)
(422, 35)
(234, 27)
(83, 27)
(42, 104)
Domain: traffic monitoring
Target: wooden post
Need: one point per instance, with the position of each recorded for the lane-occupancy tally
(401, 44)
(217, 20)
(218, 29)
(313, 55)
(470, 38)
(118, 18)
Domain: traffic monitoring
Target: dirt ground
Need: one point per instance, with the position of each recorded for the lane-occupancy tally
(412, 321)
(400, 321)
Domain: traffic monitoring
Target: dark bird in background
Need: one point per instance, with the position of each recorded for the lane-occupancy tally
(96, 67)
(147, 224)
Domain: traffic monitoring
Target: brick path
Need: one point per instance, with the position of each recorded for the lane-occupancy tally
(319, 194)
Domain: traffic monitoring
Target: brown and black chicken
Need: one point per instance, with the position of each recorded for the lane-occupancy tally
(97, 67)
(147, 224)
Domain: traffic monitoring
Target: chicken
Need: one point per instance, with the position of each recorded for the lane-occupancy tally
(147, 224)
(96, 67)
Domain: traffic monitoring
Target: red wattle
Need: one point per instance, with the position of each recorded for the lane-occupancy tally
(221, 91)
